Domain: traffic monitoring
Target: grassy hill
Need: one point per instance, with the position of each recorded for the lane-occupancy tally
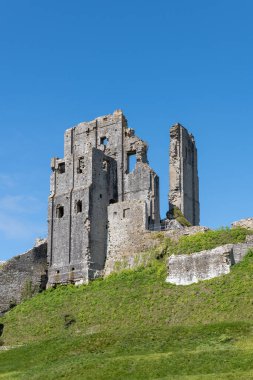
(133, 325)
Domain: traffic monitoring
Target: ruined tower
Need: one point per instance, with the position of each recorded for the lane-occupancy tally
(183, 172)
(94, 174)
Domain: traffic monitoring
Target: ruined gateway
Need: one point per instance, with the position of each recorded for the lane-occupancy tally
(97, 204)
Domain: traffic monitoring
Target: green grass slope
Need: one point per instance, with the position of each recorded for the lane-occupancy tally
(133, 325)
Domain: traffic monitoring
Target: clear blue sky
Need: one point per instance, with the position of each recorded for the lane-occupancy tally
(163, 61)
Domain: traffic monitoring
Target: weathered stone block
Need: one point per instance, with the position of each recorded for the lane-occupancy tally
(204, 265)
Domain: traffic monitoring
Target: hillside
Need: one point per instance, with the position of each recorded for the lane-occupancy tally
(133, 325)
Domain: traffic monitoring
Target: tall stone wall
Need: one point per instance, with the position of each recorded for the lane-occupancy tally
(103, 191)
(78, 237)
(127, 232)
(23, 276)
(183, 173)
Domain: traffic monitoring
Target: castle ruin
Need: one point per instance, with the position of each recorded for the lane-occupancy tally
(93, 193)
(103, 207)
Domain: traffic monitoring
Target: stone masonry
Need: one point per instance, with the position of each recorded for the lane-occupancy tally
(204, 265)
(23, 276)
(93, 177)
(183, 173)
(127, 232)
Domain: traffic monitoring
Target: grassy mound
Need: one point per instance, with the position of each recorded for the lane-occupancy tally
(208, 240)
(133, 325)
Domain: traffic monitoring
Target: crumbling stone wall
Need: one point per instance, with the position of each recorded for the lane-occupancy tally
(240, 250)
(183, 173)
(204, 265)
(23, 276)
(94, 173)
(127, 224)
(187, 269)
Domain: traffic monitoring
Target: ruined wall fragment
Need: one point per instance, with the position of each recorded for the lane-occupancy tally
(183, 173)
(204, 265)
(23, 276)
(127, 224)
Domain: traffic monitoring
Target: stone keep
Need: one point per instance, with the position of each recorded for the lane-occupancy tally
(183, 173)
(95, 173)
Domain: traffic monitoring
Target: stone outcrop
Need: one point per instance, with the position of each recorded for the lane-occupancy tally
(244, 223)
(172, 224)
(23, 275)
(204, 265)
(183, 173)
(175, 234)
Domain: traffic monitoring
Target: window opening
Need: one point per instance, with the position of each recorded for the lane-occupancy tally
(61, 167)
(80, 166)
(100, 196)
(131, 161)
(104, 140)
(59, 211)
(105, 165)
(111, 201)
(79, 206)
